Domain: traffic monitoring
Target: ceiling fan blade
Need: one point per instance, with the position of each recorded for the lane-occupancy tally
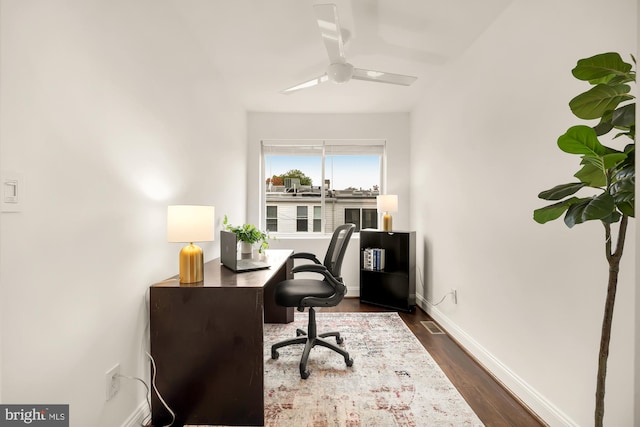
(309, 83)
(382, 77)
(327, 16)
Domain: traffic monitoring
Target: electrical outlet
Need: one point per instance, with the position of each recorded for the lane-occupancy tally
(112, 381)
(454, 296)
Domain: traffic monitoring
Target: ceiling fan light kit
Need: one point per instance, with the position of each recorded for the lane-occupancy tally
(339, 70)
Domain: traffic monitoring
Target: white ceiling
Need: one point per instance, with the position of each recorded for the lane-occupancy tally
(260, 47)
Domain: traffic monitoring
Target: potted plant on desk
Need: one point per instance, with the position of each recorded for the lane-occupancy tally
(248, 235)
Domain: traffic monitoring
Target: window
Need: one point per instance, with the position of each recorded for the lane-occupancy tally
(272, 218)
(362, 218)
(352, 216)
(317, 219)
(369, 218)
(302, 219)
(309, 186)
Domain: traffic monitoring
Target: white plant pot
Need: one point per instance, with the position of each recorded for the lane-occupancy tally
(246, 248)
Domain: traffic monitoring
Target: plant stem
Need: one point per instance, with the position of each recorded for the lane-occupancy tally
(605, 338)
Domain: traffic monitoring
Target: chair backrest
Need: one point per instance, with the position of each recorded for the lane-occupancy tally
(337, 248)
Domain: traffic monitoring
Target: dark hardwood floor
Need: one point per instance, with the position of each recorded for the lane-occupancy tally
(494, 405)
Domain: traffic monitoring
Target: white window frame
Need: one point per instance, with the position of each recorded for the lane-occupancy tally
(318, 147)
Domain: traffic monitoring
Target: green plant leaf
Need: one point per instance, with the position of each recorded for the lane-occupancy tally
(595, 102)
(590, 209)
(624, 116)
(599, 66)
(610, 160)
(623, 186)
(613, 218)
(629, 134)
(603, 127)
(627, 209)
(551, 212)
(595, 161)
(561, 191)
(592, 176)
(581, 140)
(604, 162)
(618, 80)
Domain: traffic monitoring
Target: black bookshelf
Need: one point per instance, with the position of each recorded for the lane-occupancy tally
(394, 286)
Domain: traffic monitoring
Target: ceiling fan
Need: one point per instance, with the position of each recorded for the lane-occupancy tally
(339, 70)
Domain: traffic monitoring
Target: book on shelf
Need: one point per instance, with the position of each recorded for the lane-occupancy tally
(373, 259)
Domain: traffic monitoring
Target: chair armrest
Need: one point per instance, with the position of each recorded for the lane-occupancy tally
(320, 269)
(305, 255)
(310, 268)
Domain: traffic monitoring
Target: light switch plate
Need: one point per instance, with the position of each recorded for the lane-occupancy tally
(11, 191)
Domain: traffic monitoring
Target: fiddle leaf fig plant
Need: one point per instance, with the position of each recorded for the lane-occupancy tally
(248, 233)
(607, 173)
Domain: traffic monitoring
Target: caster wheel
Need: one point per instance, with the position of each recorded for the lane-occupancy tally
(349, 362)
(339, 340)
(305, 374)
(300, 332)
(274, 354)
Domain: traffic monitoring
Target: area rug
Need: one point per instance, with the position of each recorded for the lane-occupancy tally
(393, 381)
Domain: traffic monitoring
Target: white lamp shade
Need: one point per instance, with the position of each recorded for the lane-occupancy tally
(190, 223)
(387, 203)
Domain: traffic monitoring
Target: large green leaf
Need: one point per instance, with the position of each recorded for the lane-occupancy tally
(624, 116)
(599, 99)
(598, 207)
(561, 191)
(604, 162)
(599, 66)
(592, 176)
(551, 212)
(581, 140)
(595, 161)
(610, 160)
(627, 208)
(623, 187)
(604, 126)
(614, 217)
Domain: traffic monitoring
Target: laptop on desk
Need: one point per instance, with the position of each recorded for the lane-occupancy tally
(229, 255)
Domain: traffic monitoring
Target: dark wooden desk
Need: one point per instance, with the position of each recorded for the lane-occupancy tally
(207, 343)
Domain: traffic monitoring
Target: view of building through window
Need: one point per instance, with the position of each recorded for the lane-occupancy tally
(302, 197)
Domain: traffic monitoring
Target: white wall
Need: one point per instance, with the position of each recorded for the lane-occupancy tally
(392, 127)
(530, 296)
(111, 113)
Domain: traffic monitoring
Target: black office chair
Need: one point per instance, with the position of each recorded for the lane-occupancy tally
(312, 293)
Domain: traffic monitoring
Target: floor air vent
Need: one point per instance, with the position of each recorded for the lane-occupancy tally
(432, 327)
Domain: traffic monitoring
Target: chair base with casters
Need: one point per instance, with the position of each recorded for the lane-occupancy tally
(311, 339)
(310, 293)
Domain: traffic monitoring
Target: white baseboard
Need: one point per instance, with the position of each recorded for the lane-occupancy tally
(527, 394)
(140, 417)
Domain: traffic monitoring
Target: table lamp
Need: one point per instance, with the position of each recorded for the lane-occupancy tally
(189, 223)
(387, 203)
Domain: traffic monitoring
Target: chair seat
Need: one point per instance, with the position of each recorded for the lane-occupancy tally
(289, 293)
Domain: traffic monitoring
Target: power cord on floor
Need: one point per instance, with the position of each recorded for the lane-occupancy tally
(147, 394)
(452, 292)
(153, 384)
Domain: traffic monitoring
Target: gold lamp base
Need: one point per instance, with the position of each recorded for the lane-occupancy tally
(386, 222)
(191, 264)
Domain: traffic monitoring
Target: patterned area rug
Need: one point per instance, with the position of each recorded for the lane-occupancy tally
(393, 381)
